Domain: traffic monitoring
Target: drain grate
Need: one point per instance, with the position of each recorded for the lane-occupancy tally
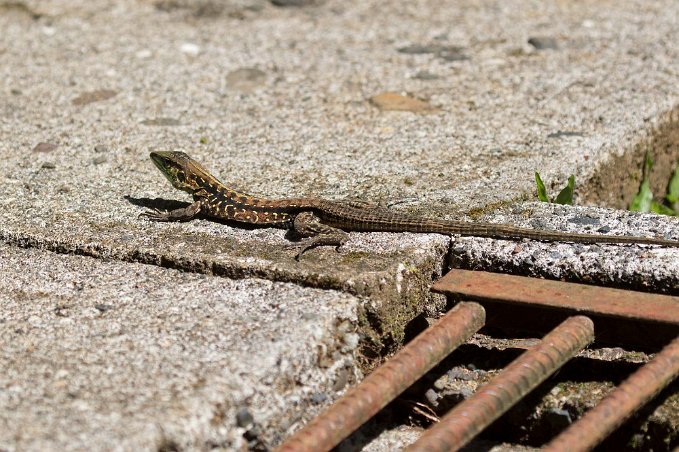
(389, 380)
(618, 314)
(634, 392)
(533, 367)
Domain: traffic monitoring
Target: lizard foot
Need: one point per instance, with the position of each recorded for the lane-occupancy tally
(308, 244)
(183, 214)
(154, 215)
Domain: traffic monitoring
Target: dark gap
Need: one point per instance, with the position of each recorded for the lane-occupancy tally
(515, 321)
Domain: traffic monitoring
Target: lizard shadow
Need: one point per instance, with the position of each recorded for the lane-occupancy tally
(171, 204)
(156, 203)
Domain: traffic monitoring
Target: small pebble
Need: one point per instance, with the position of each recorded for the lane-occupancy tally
(292, 2)
(390, 101)
(161, 122)
(94, 96)
(585, 220)
(543, 43)
(351, 340)
(417, 49)
(447, 53)
(143, 54)
(432, 397)
(245, 79)
(319, 398)
(454, 374)
(243, 418)
(309, 316)
(341, 381)
(424, 75)
(466, 392)
(455, 54)
(440, 383)
(44, 147)
(565, 133)
(190, 48)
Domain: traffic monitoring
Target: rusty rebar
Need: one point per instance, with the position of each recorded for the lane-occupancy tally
(530, 369)
(385, 383)
(583, 298)
(634, 392)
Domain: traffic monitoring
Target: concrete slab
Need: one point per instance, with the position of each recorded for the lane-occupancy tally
(282, 102)
(278, 101)
(453, 105)
(634, 267)
(304, 123)
(110, 356)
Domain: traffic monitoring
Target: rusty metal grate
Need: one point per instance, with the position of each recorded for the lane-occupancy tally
(568, 332)
(385, 383)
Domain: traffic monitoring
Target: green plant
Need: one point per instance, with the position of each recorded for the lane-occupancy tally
(643, 201)
(565, 196)
(672, 196)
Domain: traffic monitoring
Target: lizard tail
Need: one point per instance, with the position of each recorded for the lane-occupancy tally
(512, 232)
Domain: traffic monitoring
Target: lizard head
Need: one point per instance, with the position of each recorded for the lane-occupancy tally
(182, 171)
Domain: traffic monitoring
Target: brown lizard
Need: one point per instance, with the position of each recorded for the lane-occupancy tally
(323, 222)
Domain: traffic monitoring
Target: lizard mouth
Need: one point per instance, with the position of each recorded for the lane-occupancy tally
(159, 160)
(164, 162)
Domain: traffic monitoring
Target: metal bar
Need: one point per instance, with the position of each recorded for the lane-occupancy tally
(530, 369)
(639, 388)
(581, 298)
(385, 383)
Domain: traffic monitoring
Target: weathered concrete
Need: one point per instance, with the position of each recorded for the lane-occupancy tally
(110, 356)
(635, 267)
(450, 105)
(302, 123)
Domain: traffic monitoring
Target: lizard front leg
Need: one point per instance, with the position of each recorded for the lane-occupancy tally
(182, 214)
(307, 224)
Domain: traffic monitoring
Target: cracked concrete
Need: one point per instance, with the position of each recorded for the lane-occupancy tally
(105, 355)
(450, 106)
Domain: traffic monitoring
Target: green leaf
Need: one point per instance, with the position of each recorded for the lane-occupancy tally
(673, 188)
(642, 200)
(565, 196)
(542, 191)
(662, 209)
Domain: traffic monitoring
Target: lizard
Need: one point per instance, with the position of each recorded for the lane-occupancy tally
(322, 222)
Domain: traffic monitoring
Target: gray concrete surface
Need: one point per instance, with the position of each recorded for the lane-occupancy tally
(634, 267)
(110, 356)
(450, 105)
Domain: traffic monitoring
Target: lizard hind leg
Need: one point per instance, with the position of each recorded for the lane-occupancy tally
(309, 226)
